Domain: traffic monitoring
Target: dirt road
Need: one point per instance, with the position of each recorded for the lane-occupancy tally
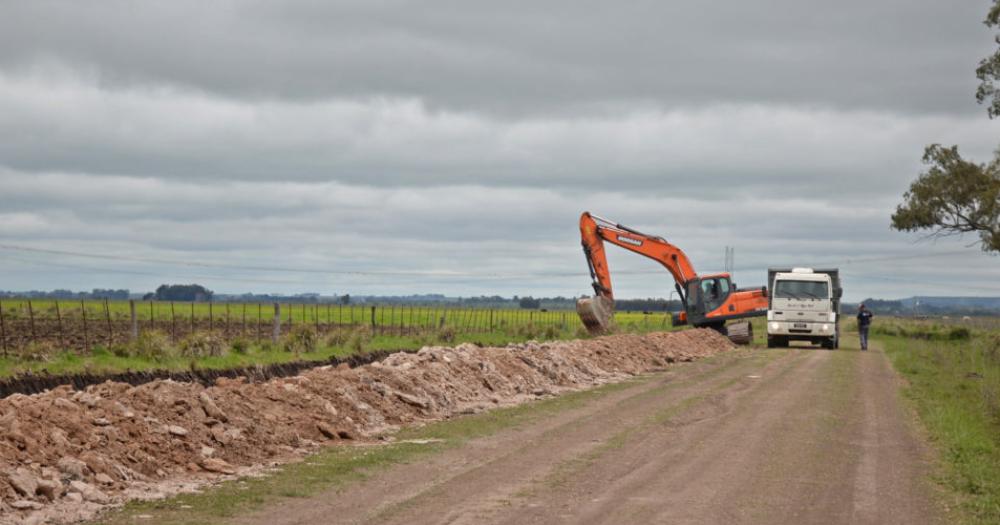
(761, 436)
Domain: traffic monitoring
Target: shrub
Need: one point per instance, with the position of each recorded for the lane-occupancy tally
(240, 346)
(338, 337)
(359, 339)
(302, 339)
(39, 351)
(151, 344)
(527, 331)
(959, 333)
(203, 344)
(446, 334)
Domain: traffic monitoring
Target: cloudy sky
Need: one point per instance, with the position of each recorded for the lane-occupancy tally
(390, 147)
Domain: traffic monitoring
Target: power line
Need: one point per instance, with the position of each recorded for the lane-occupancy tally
(445, 275)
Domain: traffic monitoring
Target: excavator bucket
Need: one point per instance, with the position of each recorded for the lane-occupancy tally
(595, 312)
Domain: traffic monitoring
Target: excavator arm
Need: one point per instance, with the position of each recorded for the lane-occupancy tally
(710, 305)
(595, 230)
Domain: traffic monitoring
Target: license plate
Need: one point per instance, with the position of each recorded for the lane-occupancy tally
(800, 325)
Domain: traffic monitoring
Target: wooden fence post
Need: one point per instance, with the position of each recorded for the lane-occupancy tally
(83, 315)
(373, 319)
(226, 332)
(192, 318)
(243, 329)
(152, 317)
(62, 335)
(134, 333)
(173, 322)
(276, 333)
(259, 313)
(211, 321)
(107, 317)
(31, 318)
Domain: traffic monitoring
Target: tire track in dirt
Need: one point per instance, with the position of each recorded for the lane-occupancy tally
(512, 460)
(798, 449)
(787, 436)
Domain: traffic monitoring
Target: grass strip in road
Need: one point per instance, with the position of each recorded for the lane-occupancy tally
(955, 387)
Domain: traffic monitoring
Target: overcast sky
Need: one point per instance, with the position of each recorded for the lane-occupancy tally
(392, 147)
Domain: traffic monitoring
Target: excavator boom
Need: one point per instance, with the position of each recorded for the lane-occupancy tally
(707, 300)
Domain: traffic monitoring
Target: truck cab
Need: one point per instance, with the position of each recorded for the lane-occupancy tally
(804, 305)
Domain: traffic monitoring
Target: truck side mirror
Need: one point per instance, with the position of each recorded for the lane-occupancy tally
(838, 293)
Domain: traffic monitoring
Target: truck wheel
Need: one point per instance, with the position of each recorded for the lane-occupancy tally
(771, 342)
(830, 343)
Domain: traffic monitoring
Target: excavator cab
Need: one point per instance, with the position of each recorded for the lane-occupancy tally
(706, 294)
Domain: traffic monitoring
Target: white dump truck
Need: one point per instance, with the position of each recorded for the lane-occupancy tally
(804, 305)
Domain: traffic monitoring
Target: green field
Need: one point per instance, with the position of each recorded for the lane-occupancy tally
(952, 368)
(65, 337)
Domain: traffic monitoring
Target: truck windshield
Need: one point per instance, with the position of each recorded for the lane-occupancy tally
(801, 290)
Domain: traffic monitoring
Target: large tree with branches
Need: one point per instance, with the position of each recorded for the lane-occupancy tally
(956, 196)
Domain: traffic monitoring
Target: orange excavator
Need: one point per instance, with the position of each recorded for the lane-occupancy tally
(708, 300)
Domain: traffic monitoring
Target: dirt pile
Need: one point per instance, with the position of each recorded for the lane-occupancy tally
(65, 454)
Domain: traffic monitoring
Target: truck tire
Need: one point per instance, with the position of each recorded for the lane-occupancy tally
(830, 344)
(777, 341)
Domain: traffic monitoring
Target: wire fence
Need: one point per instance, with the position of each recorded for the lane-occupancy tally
(83, 325)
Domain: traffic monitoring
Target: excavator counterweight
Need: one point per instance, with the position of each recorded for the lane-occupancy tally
(708, 300)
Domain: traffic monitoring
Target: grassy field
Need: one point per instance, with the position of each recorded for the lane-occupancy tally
(953, 374)
(52, 337)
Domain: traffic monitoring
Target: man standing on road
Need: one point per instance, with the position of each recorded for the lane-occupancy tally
(864, 322)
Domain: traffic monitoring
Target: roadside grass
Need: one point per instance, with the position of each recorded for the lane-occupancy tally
(336, 466)
(954, 383)
(154, 350)
(165, 355)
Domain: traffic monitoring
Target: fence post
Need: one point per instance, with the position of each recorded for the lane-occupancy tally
(107, 317)
(152, 317)
(31, 318)
(276, 334)
(3, 331)
(211, 321)
(134, 333)
(243, 330)
(227, 330)
(373, 319)
(316, 316)
(173, 322)
(259, 313)
(62, 335)
(192, 318)
(83, 315)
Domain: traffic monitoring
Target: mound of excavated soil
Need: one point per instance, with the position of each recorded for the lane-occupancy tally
(64, 455)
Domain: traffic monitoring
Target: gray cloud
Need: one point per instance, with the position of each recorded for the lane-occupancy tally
(465, 140)
(524, 56)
